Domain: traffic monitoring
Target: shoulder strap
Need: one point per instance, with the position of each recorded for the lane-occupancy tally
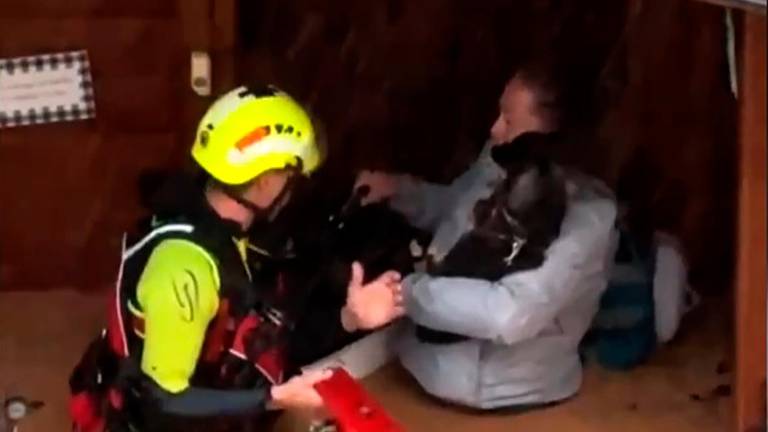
(162, 232)
(132, 262)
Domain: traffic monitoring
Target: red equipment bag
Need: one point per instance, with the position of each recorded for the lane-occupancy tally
(351, 407)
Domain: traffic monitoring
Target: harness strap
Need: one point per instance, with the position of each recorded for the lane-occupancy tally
(118, 321)
(215, 342)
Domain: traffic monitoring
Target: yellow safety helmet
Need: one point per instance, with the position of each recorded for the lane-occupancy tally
(249, 131)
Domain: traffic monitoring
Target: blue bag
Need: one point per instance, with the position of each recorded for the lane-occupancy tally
(623, 333)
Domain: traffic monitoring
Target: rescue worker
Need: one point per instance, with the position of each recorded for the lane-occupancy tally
(184, 282)
(525, 328)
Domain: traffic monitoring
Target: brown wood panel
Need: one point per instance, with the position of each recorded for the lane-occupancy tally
(415, 83)
(224, 42)
(68, 228)
(671, 135)
(138, 103)
(224, 20)
(119, 46)
(64, 224)
(752, 240)
(123, 159)
(19, 9)
(194, 16)
(46, 201)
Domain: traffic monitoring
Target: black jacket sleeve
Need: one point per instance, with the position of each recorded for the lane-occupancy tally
(204, 402)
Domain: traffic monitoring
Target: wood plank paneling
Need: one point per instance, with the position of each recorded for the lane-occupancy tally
(125, 157)
(752, 239)
(70, 189)
(46, 201)
(196, 27)
(138, 103)
(25, 9)
(118, 47)
(411, 86)
(672, 134)
(414, 88)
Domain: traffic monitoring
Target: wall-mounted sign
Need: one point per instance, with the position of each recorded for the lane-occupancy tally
(46, 88)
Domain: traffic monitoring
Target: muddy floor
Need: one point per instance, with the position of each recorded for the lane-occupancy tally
(684, 388)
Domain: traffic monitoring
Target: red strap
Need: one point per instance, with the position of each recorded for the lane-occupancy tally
(84, 412)
(116, 399)
(244, 329)
(215, 340)
(270, 363)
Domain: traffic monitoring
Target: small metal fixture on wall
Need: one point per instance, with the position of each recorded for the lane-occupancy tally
(200, 73)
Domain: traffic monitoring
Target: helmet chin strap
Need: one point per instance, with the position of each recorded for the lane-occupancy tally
(270, 212)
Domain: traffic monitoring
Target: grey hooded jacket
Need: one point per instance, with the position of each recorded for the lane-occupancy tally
(526, 327)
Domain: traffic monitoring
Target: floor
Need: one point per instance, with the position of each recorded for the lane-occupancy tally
(42, 334)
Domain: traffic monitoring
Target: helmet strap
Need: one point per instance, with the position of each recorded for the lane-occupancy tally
(253, 208)
(270, 212)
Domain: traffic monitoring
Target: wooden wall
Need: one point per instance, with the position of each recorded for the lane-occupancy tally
(414, 88)
(671, 140)
(752, 280)
(399, 85)
(67, 190)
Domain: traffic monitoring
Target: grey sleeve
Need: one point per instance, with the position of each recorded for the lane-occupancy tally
(425, 204)
(422, 203)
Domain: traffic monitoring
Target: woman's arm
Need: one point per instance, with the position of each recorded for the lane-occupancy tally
(421, 202)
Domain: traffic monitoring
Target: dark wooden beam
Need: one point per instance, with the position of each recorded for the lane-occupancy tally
(751, 255)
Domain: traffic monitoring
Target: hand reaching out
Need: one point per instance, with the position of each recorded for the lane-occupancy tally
(299, 392)
(374, 304)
